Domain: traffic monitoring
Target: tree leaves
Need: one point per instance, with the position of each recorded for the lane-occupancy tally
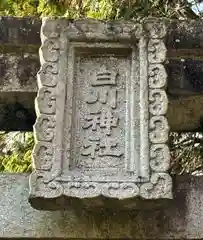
(16, 149)
(100, 9)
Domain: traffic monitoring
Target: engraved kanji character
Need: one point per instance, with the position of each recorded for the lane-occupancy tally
(107, 120)
(107, 148)
(104, 77)
(103, 96)
(92, 121)
(91, 147)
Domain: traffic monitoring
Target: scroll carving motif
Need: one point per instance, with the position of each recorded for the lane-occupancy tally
(87, 189)
(91, 189)
(43, 188)
(160, 183)
(156, 28)
(50, 50)
(160, 157)
(91, 29)
(157, 51)
(47, 75)
(121, 190)
(47, 100)
(159, 129)
(157, 76)
(160, 186)
(51, 28)
(158, 102)
(45, 126)
(43, 151)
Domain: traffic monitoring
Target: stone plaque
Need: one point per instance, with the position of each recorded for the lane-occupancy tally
(101, 128)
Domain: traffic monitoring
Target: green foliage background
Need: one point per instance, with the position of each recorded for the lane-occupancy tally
(99, 9)
(15, 151)
(16, 148)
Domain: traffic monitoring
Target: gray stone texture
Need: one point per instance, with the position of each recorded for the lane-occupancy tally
(18, 72)
(181, 218)
(101, 128)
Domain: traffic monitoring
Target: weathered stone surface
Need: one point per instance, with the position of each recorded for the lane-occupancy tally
(19, 64)
(181, 219)
(180, 35)
(184, 91)
(20, 31)
(185, 76)
(18, 72)
(185, 37)
(101, 128)
(17, 111)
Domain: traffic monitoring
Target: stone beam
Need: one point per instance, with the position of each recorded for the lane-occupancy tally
(19, 64)
(182, 36)
(182, 219)
(18, 88)
(20, 36)
(18, 73)
(20, 31)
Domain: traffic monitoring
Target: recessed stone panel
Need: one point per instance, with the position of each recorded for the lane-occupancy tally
(101, 128)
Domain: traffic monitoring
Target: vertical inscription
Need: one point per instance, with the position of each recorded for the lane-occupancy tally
(102, 122)
(101, 119)
(106, 121)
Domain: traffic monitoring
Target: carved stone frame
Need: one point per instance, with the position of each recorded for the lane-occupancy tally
(57, 35)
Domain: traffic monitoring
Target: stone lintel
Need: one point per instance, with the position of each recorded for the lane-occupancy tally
(181, 219)
(19, 63)
(18, 85)
(182, 36)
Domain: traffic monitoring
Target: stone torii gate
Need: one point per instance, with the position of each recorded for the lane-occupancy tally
(180, 218)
